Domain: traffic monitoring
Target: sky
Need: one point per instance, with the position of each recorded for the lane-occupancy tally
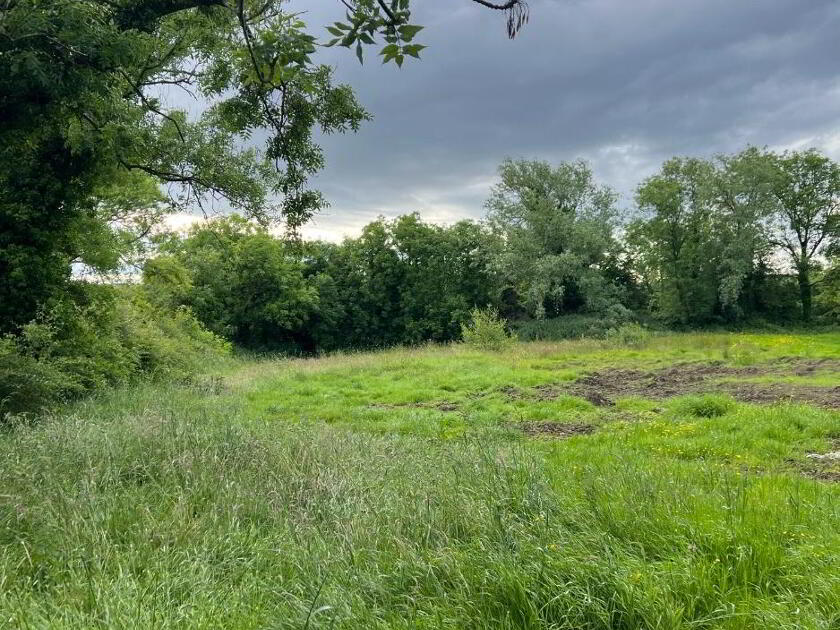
(624, 84)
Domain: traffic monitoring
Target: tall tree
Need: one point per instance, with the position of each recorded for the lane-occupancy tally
(742, 213)
(806, 187)
(558, 228)
(80, 101)
(703, 242)
(675, 241)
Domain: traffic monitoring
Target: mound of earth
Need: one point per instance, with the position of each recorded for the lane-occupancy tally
(603, 387)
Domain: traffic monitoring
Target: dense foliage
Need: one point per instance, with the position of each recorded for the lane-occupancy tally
(105, 103)
(730, 241)
(82, 87)
(723, 240)
(558, 227)
(401, 281)
(100, 336)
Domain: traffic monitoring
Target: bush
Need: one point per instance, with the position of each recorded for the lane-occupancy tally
(575, 326)
(628, 335)
(26, 382)
(102, 336)
(486, 330)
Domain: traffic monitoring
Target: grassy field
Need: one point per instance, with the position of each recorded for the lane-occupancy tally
(685, 482)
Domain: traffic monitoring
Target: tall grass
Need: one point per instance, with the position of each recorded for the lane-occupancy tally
(167, 508)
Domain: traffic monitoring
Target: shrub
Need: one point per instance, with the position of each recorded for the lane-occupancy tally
(486, 330)
(573, 326)
(26, 382)
(103, 336)
(628, 335)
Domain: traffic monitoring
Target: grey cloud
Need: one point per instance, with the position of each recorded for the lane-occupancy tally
(623, 83)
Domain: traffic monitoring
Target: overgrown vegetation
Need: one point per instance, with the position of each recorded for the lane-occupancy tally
(707, 248)
(632, 479)
(486, 330)
(397, 490)
(103, 337)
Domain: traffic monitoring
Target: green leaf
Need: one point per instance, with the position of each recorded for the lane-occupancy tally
(399, 59)
(408, 31)
(359, 52)
(390, 49)
(335, 31)
(367, 39)
(413, 50)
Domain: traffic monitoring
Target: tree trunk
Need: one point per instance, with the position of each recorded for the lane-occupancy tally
(804, 278)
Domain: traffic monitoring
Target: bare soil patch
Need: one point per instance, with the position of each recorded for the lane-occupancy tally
(823, 466)
(512, 392)
(824, 475)
(602, 388)
(439, 405)
(556, 430)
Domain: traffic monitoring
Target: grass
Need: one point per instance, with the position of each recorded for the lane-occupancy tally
(394, 490)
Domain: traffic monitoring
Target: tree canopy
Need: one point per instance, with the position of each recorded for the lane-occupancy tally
(558, 225)
(81, 99)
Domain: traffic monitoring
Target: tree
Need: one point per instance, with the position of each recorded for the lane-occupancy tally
(703, 242)
(400, 281)
(558, 227)
(241, 282)
(806, 188)
(828, 298)
(80, 99)
(743, 200)
(675, 241)
(448, 271)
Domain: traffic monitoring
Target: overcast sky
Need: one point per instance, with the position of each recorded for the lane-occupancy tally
(624, 84)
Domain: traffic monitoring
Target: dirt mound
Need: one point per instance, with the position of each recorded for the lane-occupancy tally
(557, 430)
(602, 388)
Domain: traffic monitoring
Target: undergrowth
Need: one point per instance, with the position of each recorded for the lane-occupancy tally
(159, 506)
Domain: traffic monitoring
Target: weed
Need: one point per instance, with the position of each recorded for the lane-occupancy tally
(486, 330)
(704, 406)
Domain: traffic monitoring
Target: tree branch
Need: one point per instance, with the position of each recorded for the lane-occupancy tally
(388, 12)
(498, 7)
(148, 104)
(143, 14)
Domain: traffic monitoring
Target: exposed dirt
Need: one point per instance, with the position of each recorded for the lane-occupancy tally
(602, 388)
(439, 405)
(823, 466)
(556, 430)
(514, 393)
(824, 475)
(768, 393)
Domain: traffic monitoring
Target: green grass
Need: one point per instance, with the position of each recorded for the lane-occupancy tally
(395, 490)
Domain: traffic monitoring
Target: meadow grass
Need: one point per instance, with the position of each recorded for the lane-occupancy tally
(396, 490)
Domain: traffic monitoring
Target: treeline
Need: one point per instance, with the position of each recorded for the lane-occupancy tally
(728, 241)
(400, 282)
(735, 240)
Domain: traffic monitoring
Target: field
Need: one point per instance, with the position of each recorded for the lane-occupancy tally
(682, 481)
